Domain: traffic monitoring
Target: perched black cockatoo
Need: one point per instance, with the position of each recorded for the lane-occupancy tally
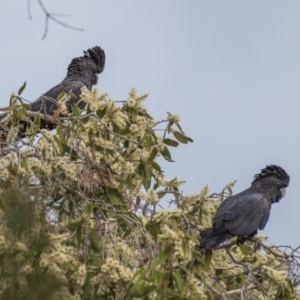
(82, 72)
(244, 213)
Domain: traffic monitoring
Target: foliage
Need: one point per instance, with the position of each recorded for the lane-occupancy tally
(81, 214)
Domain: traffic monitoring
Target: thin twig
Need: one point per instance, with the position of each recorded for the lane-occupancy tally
(50, 16)
(29, 10)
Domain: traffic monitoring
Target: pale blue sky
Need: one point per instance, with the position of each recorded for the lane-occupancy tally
(231, 69)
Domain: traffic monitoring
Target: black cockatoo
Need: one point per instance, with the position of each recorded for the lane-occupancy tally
(82, 72)
(244, 213)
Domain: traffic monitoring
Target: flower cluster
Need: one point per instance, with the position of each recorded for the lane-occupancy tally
(173, 182)
(93, 99)
(112, 277)
(135, 100)
(12, 134)
(174, 118)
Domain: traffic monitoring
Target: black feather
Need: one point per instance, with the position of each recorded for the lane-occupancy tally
(274, 171)
(82, 72)
(243, 214)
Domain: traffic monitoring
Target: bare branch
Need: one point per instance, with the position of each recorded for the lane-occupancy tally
(28, 10)
(52, 17)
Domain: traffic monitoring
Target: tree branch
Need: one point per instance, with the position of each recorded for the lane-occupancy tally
(50, 16)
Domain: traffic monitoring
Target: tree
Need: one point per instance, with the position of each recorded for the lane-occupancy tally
(81, 216)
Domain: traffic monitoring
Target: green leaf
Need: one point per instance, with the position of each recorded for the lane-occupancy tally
(60, 132)
(140, 290)
(161, 194)
(135, 217)
(234, 249)
(60, 145)
(126, 144)
(19, 99)
(60, 95)
(170, 142)
(244, 250)
(73, 155)
(145, 173)
(75, 224)
(113, 197)
(126, 233)
(154, 137)
(179, 127)
(21, 89)
(153, 154)
(147, 179)
(125, 130)
(208, 257)
(95, 238)
(26, 106)
(155, 166)
(176, 195)
(78, 236)
(90, 136)
(11, 99)
(179, 281)
(130, 183)
(43, 217)
(147, 116)
(141, 170)
(87, 286)
(174, 224)
(153, 229)
(182, 138)
(148, 140)
(166, 154)
(37, 120)
(22, 114)
(76, 109)
(156, 185)
(159, 261)
(184, 269)
(101, 113)
(169, 126)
